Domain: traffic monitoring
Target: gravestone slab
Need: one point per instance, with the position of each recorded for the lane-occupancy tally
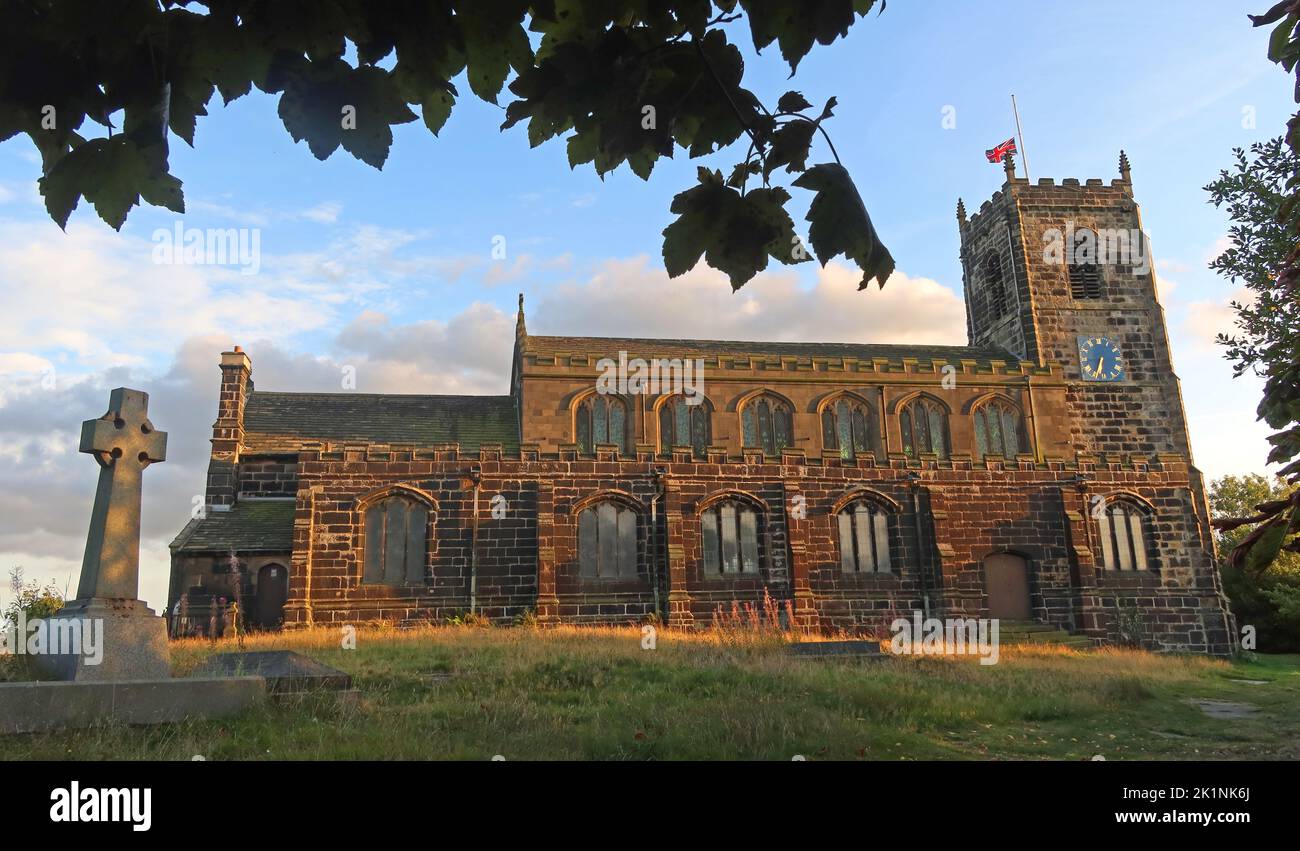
(285, 671)
(39, 706)
(816, 649)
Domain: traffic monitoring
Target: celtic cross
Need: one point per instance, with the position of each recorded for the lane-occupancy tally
(124, 442)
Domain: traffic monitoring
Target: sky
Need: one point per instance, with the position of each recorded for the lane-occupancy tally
(389, 276)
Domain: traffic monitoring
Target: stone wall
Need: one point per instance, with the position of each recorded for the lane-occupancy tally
(268, 477)
(527, 560)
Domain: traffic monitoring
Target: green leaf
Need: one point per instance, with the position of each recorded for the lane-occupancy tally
(790, 147)
(112, 174)
(329, 104)
(796, 24)
(698, 210)
(583, 148)
(768, 206)
(839, 224)
(495, 41)
(735, 234)
(1280, 38)
(436, 108)
(742, 172)
(792, 102)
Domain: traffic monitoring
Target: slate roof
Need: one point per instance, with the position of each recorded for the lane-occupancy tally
(261, 526)
(282, 421)
(634, 346)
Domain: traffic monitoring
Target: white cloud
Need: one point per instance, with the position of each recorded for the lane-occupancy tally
(1205, 320)
(326, 213)
(1220, 245)
(635, 298)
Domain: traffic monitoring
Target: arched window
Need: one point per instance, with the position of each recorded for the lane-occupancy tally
(602, 419)
(767, 422)
(995, 287)
(1122, 528)
(729, 532)
(397, 530)
(924, 425)
(683, 424)
(849, 427)
(1084, 270)
(607, 541)
(999, 429)
(864, 537)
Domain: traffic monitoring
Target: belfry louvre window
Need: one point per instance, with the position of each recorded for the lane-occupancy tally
(607, 540)
(767, 422)
(602, 419)
(998, 429)
(1085, 273)
(995, 287)
(397, 532)
(924, 424)
(848, 427)
(729, 532)
(1122, 529)
(681, 424)
(864, 538)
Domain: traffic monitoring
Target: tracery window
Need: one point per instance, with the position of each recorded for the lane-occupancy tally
(730, 533)
(767, 422)
(864, 537)
(924, 425)
(602, 418)
(999, 429)
(607, 541)
(849, 428)
(682, 424)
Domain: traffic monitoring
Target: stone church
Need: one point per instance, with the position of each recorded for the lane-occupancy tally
(1040, 473)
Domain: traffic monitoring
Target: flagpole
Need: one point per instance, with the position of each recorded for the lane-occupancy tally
(1024, 156)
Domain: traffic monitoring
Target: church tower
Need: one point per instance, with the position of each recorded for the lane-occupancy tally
(1062, 275)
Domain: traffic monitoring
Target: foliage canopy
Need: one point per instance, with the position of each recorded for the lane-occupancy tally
(622, 81)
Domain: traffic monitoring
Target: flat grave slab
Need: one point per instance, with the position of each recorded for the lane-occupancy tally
(840, 649)
(33, 707)
(285, 671)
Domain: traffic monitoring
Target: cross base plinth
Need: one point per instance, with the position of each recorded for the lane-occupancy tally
(114, 639)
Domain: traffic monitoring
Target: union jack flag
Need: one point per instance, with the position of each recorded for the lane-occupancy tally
(996, 154)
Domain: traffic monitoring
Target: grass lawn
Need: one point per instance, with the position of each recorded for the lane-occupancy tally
(471, 693)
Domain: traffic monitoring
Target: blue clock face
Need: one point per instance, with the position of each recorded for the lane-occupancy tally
(1100, 359)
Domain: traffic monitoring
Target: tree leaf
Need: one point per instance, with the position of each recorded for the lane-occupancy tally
(792, 102)
(839, 224)
(735, 233)
(436, 108)
(111, 174)
(791, 144)
(329, 104)
(796, 24)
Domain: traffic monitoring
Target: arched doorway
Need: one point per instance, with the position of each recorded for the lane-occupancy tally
(272, 591)
(1006, 582)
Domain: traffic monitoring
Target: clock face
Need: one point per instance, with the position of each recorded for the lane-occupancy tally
(1100, 359)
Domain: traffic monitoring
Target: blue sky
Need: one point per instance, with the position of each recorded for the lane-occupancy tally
(390, 271)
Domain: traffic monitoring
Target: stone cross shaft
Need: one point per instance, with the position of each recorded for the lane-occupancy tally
(124, 442)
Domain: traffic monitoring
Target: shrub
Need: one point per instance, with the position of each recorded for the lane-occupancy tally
(1270, 603)
(31, 599)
